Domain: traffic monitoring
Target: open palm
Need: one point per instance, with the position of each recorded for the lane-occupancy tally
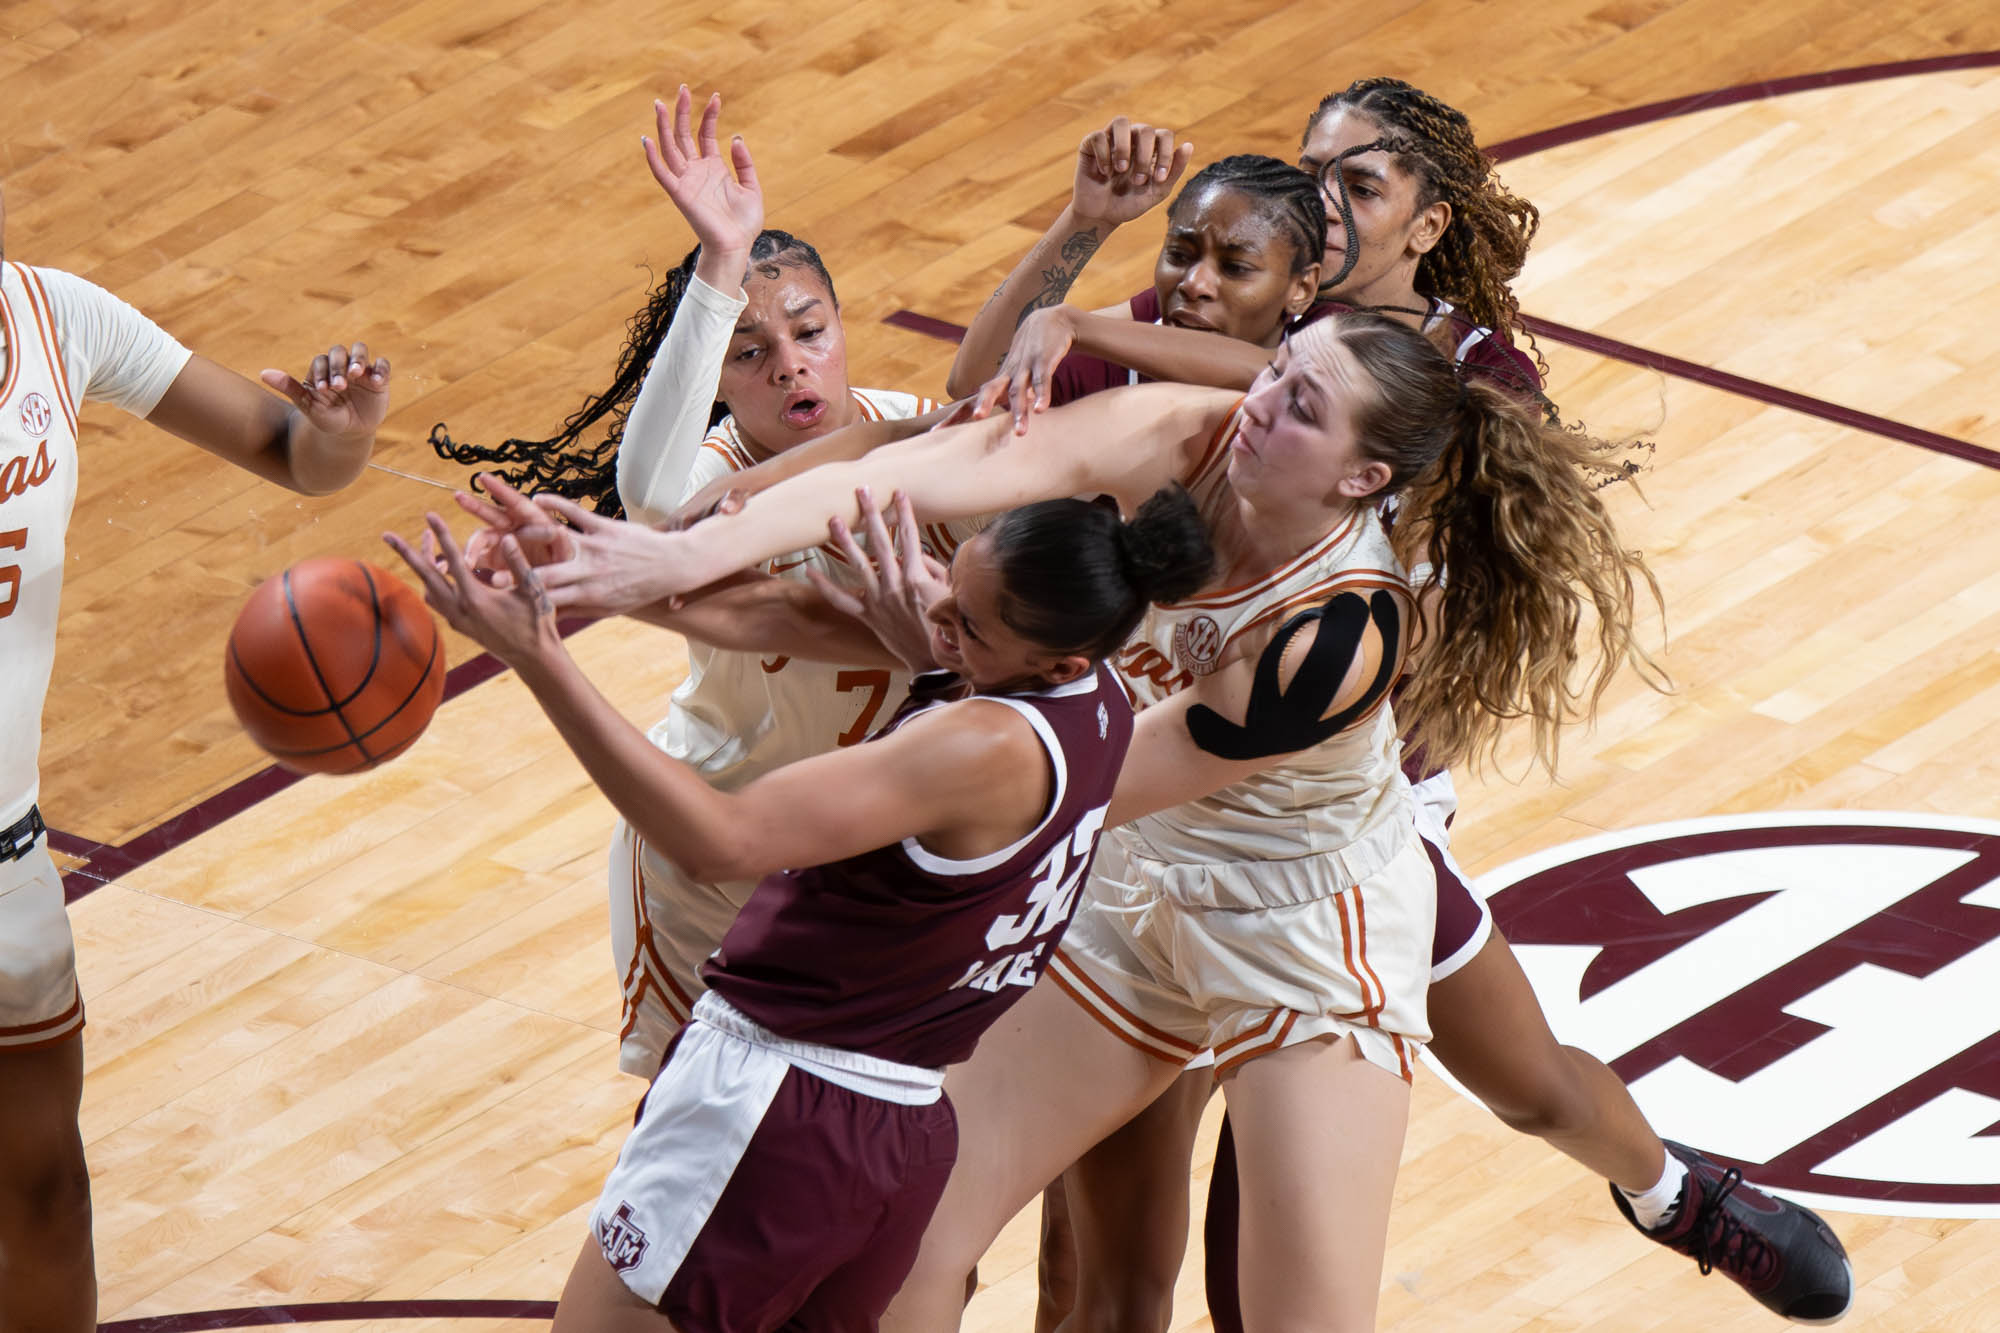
(719, 196)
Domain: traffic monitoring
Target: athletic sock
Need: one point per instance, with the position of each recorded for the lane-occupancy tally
(1656, 1207)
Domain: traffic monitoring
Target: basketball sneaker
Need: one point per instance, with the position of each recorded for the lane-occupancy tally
(1780, 1253)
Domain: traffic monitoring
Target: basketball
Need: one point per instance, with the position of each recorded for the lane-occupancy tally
(334, 666)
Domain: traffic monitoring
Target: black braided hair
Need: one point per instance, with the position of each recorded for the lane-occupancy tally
(1285, 195)
(1486, 243)
(564, 464)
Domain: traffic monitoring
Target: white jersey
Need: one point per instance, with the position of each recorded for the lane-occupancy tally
(67, 340)
(1321, 800)
(1293, 905)
(735, 718)
(741, 715)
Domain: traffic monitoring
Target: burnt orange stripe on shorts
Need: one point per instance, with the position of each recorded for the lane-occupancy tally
(1094, 999)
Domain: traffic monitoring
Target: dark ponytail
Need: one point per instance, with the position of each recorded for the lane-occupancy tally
(588, 473)
(1077, 578)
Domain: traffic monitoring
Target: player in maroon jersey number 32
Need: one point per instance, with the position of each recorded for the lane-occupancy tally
(796, 1140)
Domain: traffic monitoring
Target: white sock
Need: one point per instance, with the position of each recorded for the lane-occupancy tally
(1656, 1207)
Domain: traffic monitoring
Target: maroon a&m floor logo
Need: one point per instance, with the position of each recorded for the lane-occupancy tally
(1812, 995)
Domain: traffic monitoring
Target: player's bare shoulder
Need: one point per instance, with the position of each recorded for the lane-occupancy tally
(1304, 673)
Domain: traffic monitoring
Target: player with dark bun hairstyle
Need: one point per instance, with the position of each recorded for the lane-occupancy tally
(789, 1153)
(1263, 893)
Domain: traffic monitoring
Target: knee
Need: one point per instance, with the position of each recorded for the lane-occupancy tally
(1147, 1311)
(1117, 1299)
(49, 1202)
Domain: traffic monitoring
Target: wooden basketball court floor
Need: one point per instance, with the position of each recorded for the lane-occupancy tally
(350, 1044)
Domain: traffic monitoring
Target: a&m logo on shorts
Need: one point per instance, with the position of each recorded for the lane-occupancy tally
(621, 1239)
(1197, 642)
(1815, 996)
(36, 416)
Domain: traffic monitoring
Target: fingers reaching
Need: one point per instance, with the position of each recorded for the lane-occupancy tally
(572, 513)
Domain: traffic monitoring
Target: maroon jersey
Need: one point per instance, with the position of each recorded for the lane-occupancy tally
(1079, 375)
(1475, 349)
(905, 955)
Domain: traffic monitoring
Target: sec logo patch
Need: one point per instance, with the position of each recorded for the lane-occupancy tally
(1812, 995)
(36, 416)
(1197, 643)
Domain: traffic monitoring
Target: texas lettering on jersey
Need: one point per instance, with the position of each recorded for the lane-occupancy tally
(1813, 995)
(21, 472)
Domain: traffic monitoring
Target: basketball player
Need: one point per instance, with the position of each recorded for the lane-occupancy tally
(1429, 221)
(790, 1151)
(67, 341)
(1273, 902)
(750, 314)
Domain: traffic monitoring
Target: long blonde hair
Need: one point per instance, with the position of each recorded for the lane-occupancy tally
(1508, 503)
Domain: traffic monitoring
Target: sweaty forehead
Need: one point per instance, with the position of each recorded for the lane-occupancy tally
(1318, 353)
(1227, 215)
(774, 299)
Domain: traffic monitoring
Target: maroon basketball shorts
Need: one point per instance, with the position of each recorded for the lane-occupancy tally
(770, 1182)
(1463, 919)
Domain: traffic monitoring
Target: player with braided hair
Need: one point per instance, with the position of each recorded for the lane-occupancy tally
(1436, 237)
(1418, 221)
(749, 314)
(1239, 262)
(567, 464)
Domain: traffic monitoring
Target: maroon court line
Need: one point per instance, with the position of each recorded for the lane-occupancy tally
(106, 862)
(1579, 130)
(1761, 392)
(151, 844)
(1660, 361)
(321, 1312)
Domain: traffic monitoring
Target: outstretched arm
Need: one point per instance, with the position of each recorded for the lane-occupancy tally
(317, 444)
(759, 613)
(1125, 442)
(840, 446)
(1026, 378)
(1121, 171)
(933, 779)
(1163, 352)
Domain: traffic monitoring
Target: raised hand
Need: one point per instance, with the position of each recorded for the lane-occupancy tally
(719, 196)
(896, 583)
(1124, 169)
(344, 394)
(1022, 382)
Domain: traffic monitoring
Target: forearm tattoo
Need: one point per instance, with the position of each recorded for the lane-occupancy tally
(1060, 276)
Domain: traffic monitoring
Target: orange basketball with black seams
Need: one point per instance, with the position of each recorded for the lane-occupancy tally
(334, 666)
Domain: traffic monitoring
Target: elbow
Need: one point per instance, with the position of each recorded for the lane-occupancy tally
(717, 866)
(718, 859)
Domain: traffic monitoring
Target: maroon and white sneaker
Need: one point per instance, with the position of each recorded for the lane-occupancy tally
(1780, 1253)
